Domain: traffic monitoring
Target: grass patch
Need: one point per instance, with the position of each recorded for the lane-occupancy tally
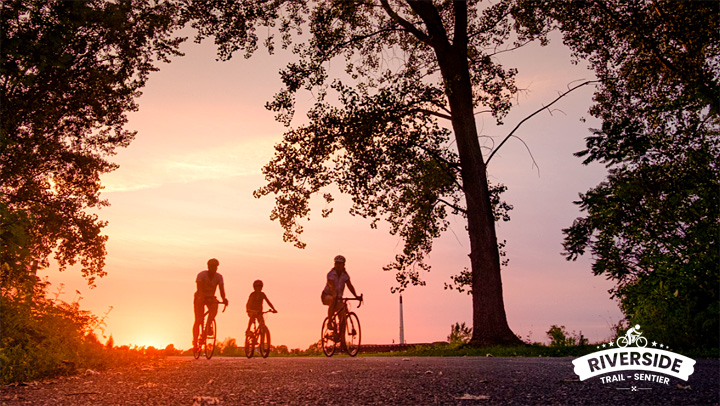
(448, 350)
(534, 350)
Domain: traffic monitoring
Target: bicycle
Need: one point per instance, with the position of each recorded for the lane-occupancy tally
(208, 339)
(623, 342)
(259, 334)
(346, 331)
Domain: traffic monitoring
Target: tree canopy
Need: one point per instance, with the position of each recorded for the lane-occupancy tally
(69, 73)
(653, 225)
(395, 129)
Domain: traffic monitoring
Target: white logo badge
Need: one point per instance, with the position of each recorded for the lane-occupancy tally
(632, 354)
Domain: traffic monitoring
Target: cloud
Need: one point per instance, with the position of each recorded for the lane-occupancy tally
(153, 170)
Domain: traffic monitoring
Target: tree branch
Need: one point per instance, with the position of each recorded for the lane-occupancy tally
(429, 14)
(516, 47)
(453, 206)
(435, 113)
(535, 164)
(405, 24)
(327, 55)
(535, 113)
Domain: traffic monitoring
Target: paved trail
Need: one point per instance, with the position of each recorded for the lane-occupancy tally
(362, 380)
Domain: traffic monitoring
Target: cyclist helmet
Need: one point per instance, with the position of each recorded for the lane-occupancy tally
(340, 258)
(258, 283)
(637, 327)
(213, 262)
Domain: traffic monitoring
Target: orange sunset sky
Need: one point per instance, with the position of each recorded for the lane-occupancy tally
(183, 194)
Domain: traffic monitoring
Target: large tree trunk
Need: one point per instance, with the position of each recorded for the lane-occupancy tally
(490, 325)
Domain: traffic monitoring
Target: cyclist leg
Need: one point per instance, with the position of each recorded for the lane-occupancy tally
(212, 306)
(251, 318)
(199, 310)
(329, 301)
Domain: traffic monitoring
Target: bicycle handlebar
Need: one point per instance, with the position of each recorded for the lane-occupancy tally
(224, 304)
(359, 299)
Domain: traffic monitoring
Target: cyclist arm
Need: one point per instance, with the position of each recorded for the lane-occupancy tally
(352, 288)
(271, 305)
(222, 294)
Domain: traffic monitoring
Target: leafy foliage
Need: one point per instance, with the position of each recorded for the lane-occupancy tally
(459, 334)
(69, 72)
(559, 337)
(653, 225)
(41, 337)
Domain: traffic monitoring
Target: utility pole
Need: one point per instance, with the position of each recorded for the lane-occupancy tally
(402, 327)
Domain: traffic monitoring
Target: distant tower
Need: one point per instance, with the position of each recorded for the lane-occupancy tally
(402, 328)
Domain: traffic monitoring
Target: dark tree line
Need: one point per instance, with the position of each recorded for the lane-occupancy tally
(653, 225)
(69, 73)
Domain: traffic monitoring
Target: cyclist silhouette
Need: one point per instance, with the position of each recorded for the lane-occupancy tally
(633, 334)
(207, 282)
(337, 278)
(254, 305)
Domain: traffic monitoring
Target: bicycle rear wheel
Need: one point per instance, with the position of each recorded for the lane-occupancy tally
(250, 343)
(210, 339)
(264, 341)
(351, 334)
(327, 339)
(197, 350)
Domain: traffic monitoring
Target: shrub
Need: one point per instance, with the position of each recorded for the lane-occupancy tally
(559, 337)
(459, 334)
(42, 337)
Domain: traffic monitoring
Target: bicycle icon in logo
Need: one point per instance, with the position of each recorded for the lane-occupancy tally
(633, 336)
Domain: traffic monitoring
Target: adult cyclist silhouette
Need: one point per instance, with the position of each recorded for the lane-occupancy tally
(207, 282)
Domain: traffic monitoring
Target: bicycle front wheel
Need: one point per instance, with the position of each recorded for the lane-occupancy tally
(210, 340)
(327, 339)
(264, 341)
(351, 334)
(641, 342)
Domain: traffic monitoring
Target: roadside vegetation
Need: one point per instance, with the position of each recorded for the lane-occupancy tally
(42, 336)
(562, 343)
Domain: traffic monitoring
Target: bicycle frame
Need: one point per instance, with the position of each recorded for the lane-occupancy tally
(344, 307)
(207, 347)
(259, 335)
(340, 334)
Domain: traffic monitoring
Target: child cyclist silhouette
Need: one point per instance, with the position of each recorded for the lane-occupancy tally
(254, 305)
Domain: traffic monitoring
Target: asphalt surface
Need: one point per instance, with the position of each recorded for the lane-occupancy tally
(361, 381)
